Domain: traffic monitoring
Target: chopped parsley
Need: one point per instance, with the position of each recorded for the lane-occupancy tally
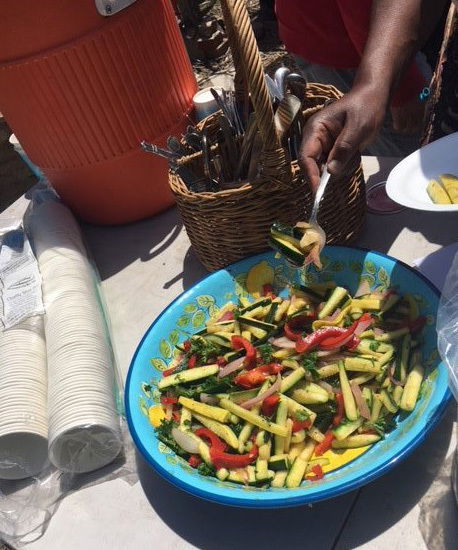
(382, 425)
(212, 384)
(206, 470)
(266, 351)
(309, 364)
(237, 428)
(203, 349)
(325, 416)
(301, 416)
(373, 346)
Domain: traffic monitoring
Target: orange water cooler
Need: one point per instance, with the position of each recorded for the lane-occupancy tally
(81, 84)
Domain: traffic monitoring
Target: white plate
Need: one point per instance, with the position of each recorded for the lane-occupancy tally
(407, 181)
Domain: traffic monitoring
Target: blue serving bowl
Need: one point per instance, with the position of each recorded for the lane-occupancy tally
(187, 314)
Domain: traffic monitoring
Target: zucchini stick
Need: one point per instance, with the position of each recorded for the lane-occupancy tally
(412, 387)
(349, 401)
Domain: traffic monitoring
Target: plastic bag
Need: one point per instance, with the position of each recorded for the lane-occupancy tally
(447, 326)
(87, 434)
(447, 342)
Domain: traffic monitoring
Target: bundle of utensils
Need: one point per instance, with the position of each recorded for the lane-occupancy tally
(231, 151)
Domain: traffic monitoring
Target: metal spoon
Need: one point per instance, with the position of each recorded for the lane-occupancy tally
(286, 113)
(279, 77)
(175, 146)
(273, 88)
(297, 84)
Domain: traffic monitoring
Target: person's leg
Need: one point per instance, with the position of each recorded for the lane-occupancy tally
(388, 143)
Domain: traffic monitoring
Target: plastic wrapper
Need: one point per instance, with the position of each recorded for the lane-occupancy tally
(447, 331)
(85, 432)
(20, 278)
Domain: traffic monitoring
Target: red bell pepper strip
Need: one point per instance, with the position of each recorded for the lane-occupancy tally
(187, 345)
(192, 361)
(269, 405)
(268, 290)
(168, 372)
(194, 461)
(225, 460)
(291, 334)
(318, 471)
(228, 316)
(329, 337)
(221, 362)
(256, 377)
(314, 340)
(298, 426)
(169, 400)
(176, 416)
(325, 445)
(215, 442)
(340, 409)
(238, 343)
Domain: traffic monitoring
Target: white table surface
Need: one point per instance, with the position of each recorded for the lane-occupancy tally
(144, 266)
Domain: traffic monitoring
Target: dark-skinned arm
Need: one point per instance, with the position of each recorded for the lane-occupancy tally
(338, 132)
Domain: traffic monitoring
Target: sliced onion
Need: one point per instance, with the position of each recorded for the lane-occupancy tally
(360, 401)
(392, 378)
(209, 399)
(234, 365)
(364, 288)
(168, 411)
(327, 387)
(260, 397)
(378, 331)
(314, 256)
(334, 315)
(332, 360)
(284, 343)
(327, 352)
(186, 442)
(362, 326)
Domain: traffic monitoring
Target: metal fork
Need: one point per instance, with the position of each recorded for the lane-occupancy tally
(325, 177)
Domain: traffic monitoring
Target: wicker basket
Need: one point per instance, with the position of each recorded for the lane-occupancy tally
(228, 225)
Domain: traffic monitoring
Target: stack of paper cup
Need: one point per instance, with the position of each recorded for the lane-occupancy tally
(84, 431)
(23, 414)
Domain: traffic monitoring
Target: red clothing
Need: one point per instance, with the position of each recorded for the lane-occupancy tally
(333, 33)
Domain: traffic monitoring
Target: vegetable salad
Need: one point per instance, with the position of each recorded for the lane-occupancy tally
(273, 385)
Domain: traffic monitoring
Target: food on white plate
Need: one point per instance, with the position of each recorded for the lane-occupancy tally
(444, 189)
(274, 387)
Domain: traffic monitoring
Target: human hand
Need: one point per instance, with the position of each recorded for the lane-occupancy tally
(408, 117)
(339, 131)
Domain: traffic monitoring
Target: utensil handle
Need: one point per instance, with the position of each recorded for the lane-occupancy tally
(248, 64)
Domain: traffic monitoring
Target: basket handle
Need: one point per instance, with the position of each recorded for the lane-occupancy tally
(250, 72)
